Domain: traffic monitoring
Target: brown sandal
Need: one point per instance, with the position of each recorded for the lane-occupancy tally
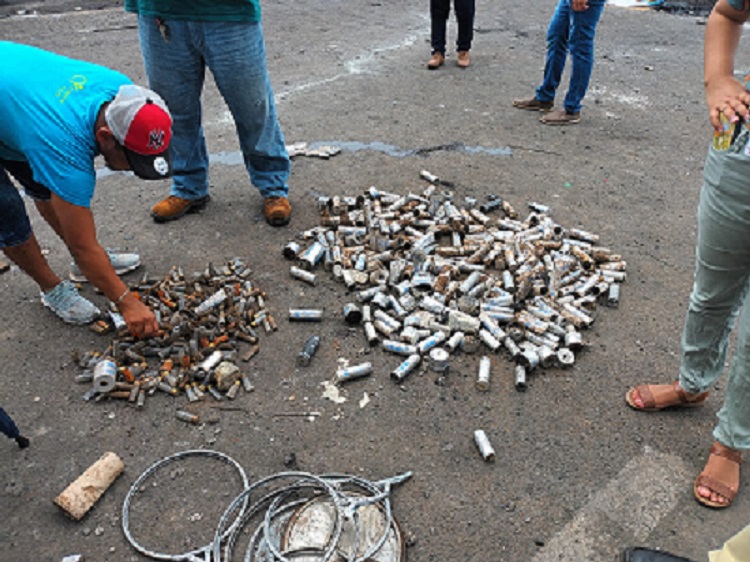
(720, 468)
(671, 396)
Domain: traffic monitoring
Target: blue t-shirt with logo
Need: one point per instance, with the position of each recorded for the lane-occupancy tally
(49, 108)
(738, 4)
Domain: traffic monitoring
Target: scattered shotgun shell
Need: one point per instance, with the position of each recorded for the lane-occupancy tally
(484, 446)
(354, 372)
(483, 376)
(403, 370)
(305, 315)
(303, 275)
(182, 415)
(308, 351)
(519, 374)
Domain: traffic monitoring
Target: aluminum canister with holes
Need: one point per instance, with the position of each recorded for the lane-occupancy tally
(354, 372)
(439, 360)
(403, 370)
(105, 376)
(305, 315)
(483, 444)
(399, 347)
(427, 344)
(462, 322)
(483, 376)
(565, 357)
(303, 275)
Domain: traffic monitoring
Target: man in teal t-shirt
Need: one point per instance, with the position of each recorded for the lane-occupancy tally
(179, 39)
(53, 123)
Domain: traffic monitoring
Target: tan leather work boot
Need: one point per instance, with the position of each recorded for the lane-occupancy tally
(278, 211)
(436, 61)
(463, 59)
(174, 207)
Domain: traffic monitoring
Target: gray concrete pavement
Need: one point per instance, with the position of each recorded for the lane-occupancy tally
(578, 475)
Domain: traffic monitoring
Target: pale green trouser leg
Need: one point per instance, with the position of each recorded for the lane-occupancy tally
(720, 290)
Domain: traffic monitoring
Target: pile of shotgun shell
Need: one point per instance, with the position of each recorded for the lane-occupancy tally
(208, 321)
(431, 275)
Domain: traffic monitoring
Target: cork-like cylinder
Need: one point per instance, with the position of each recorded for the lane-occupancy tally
(83, 493)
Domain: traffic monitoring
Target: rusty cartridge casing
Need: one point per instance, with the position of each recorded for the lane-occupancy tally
(519, 374)
(483, 444)
(105, 376)
(354, 372)
(405, 368)
(308, 351)
(483, 376)
(302, 275)
(305, 315)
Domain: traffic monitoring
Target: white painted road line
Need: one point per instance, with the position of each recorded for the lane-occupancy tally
(623, 513)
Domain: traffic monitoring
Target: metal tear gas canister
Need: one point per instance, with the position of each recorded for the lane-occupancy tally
(484, 446)
(105, 376)
(565, 357)
(187, 417)
(454, 341)
(519, 374)
(305, 315)
(613, 295)
(308, 351)
(403, 370)
(371, 334)
(428, 343)
(489, 340)
(398, 347)
(214, 300)
(291, 250)
(352, 314)
(439, 360)
(469, 344)
(312, 255)
(302, 275)
(483, 376)
(354, 372)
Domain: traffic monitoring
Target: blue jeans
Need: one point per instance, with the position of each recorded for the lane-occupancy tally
(15, 227)
(236, 56)
(439, 11)
(720, 291)
(570, 31)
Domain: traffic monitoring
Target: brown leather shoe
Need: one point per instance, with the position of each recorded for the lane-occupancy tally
(436, 61)
(533, 104)
(561, 117)
(174, 207)
(278, 211)
(463, 59)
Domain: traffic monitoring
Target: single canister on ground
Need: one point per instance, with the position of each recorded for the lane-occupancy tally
(308, 351)
(484, 446)
(483, 377)
(354, 372)
(82, 494)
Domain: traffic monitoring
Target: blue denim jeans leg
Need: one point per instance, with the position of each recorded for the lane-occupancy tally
(570, 31)
(236, 56)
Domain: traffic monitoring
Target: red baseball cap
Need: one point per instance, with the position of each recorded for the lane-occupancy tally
(141, 123)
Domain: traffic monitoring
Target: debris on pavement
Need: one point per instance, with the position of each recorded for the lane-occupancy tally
(303, 149)
(83, 493)
(292, 513)
(433, 276)
(204, 319)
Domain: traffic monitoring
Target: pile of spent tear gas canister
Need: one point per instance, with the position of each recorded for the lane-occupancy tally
(203, 319)
(432, 275)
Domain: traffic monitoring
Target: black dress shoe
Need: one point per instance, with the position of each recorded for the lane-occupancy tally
(647, 555)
